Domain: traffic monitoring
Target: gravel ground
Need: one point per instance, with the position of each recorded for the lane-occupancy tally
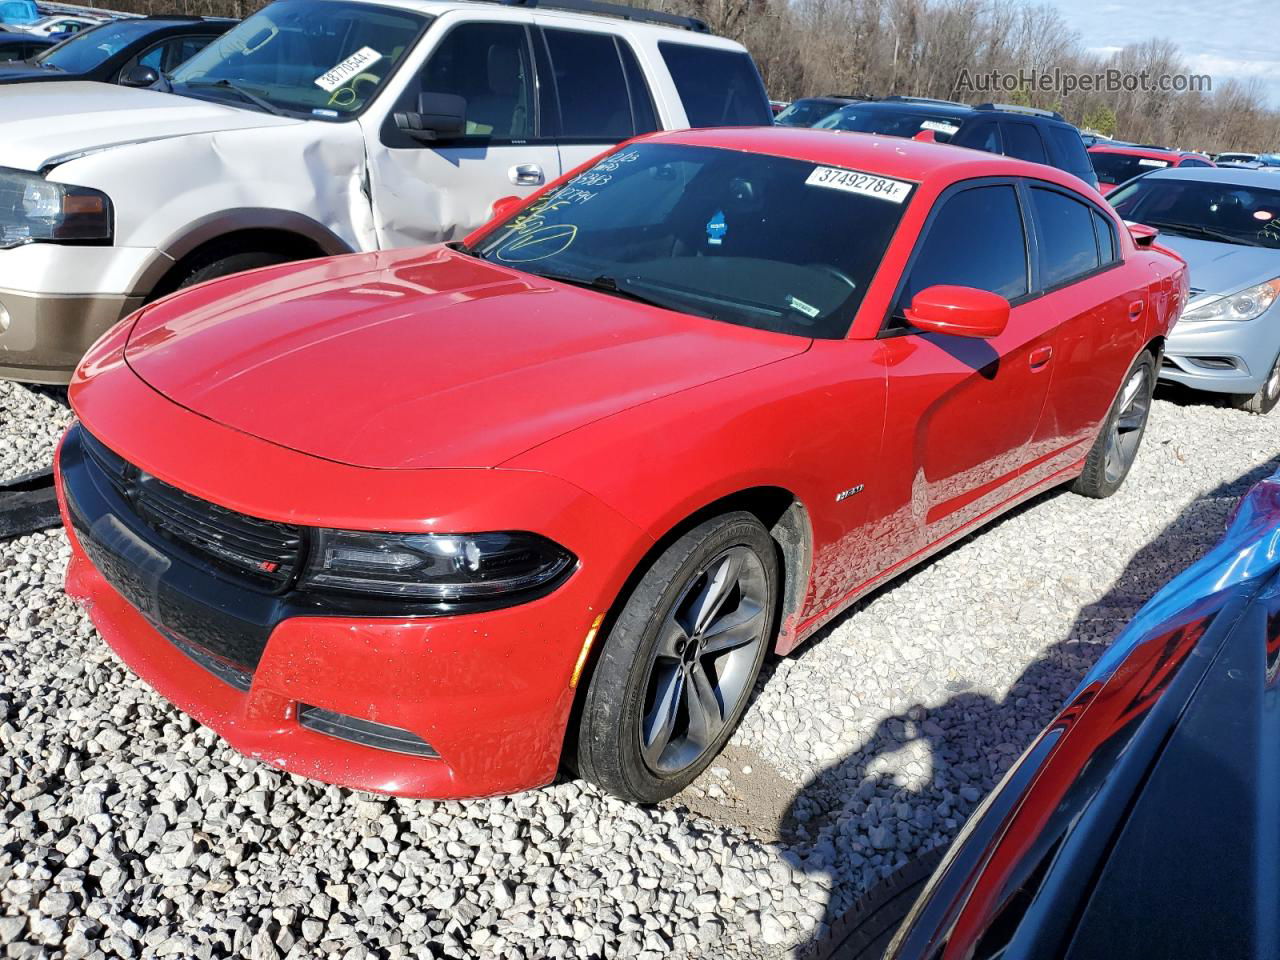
(128, 831)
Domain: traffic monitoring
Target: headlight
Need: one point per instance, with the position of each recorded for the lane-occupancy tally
(1245, 304)
(33, 208)
(434, 567)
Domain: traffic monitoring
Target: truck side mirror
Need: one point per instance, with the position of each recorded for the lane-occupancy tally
(440, 116)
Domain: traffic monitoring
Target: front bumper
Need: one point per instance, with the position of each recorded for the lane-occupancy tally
(59, 299)
(489, 692)
(1225, 356)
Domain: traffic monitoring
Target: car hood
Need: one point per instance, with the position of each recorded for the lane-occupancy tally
(1220, 268)
(100, 116)
(426, 358)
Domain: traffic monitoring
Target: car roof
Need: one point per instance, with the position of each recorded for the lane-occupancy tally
(912, 160)
(1236, 176)
(950, 110)
(1155, 153)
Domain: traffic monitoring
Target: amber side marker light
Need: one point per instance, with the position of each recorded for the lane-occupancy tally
(586, 649)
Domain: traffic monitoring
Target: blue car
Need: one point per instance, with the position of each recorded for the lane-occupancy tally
(1144, 821)
(1225, 222)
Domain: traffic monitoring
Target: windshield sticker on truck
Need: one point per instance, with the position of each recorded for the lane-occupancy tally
(351, 67)
(939, 126)
(895, 191)
(1148, 162)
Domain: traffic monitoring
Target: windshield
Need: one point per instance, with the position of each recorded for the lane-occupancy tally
(324, 59)
(18, 12)
(90, 48)
(1119, 167)
(765, 242)
(805, 113)
(1226, 212)
(892, 123)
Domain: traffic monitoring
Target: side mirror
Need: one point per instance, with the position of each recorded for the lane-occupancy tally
(440, 116)
(503, 207)
(958, 311)
(139, 76)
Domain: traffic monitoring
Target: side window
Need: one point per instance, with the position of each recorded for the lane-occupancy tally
(1106, 232)
(642, 109)
(153, 58)
(975, 240)
(719, 88)
(1022, 140)
(594, 104)
(1067, 150)
(1192, 162)
(489, 65)
(181, 49)
(983, 135)
(1068, 247)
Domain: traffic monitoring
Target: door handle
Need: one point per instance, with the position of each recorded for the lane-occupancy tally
(1040, 356)
(525, 174)
(1135, 309)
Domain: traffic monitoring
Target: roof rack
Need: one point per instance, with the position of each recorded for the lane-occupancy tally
(847, 96)
(613, 10)
(944, 103)
(1016, 108)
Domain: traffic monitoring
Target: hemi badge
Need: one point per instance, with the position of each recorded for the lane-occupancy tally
(846, 494)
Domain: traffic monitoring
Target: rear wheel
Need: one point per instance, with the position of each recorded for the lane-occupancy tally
(1266, 397)
(678, 667)
(1116, 447)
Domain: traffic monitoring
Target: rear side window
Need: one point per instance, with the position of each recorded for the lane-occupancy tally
(594, 103)
(1068, 246)
(642, 109)
(1022, 140)
(1107, 249)
(1192, 162)
(719, 88)
(975, 240)
(1068, 153)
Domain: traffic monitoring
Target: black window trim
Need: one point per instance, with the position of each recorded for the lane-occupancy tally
(1027, 184)
(392, 138)
(888, 328)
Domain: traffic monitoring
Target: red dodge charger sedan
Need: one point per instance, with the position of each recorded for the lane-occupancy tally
(432, 522)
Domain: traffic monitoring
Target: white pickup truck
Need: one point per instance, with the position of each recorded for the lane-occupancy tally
(320, 127)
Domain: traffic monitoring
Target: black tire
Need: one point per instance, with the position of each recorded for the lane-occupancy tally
(1107, 465)
(617, 701)
(218, 262)
(1267, 396)
(864, 931)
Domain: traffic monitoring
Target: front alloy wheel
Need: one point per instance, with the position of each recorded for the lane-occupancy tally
(1267, 395)
(677, 668)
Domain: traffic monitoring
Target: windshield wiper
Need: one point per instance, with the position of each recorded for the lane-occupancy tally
(235, 88)
(607, 284)
(1196, 230)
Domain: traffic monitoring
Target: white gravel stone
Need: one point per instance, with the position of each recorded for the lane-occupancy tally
(127, 830)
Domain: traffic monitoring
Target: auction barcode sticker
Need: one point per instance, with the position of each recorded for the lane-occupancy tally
(348, 68)
(895, 191)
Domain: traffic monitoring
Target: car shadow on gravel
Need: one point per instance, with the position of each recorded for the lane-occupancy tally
(909, 787)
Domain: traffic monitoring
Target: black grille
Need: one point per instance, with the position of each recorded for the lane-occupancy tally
(364, 732)
(263, 551)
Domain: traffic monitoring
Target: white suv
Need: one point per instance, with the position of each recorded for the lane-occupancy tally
(322, 127)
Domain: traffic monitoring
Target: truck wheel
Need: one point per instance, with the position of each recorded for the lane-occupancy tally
(1116, 446)
(864, 931)
(222, 264)
(677, 669)
(1266, 397)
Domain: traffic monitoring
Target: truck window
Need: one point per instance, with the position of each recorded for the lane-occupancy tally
(719, 88)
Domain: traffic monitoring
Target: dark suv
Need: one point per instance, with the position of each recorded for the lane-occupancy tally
(1024, 132)
(1040, 136)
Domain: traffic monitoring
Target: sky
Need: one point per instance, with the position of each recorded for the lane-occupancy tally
(1236, 40)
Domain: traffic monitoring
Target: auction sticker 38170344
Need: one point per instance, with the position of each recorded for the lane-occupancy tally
(895, 191)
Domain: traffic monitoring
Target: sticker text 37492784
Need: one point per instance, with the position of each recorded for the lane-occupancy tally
(884, 188)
